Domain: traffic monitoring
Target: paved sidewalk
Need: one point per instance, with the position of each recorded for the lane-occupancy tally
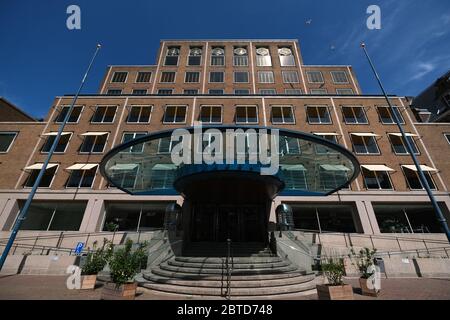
(54, 288)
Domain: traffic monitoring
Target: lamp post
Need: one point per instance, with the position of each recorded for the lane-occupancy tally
(23, 213)
(439, 215)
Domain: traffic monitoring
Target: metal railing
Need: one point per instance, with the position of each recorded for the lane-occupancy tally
(229, 269)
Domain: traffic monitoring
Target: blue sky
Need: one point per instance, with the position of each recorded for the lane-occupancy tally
(40, 58)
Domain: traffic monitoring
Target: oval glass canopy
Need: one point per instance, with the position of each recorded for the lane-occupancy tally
(300, 163)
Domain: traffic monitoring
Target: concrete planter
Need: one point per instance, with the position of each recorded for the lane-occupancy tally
(88, 282)
(328, 292)
(365, 290)
(111, 291)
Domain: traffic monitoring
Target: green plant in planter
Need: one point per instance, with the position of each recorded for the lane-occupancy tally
(363, 260)
(125, 262)
(97, 259)
(334, 270)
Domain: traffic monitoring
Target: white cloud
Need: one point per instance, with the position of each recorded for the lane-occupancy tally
(423, 69)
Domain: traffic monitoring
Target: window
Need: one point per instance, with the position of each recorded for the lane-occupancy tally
(140, 92)
(62, 143)
(344, 91)
(128, 136)
(246, 114)
(318, 91)
(143, 76)
(215, 91)
(412, 178)
(6, 140)
(321, 149)
(165, 92)
(289, 145)
(165, 145)
(240, 57)
(286, 57)
(294, 177)
(318, 114)
(104, 114)
(175, 114)
(314, 77)
(114, 92)
(290, 76)
(211, 114)
(241, 91)
(265, 77)
(293, 91)
(46, 180)
(386, 116)
(119, 77)
(74, 115)
(268, 91)
(364, 144)
(192, 77)
(282, 115)
(195, 56)
(168, 76)
(332, 176)
(190, 91)
(162, 176)
(93, 143)
(399, 145)
(172, 56)
(139, 114)
(54, 215)
(216, 76)
(81, 178)
(241, 76)
(447, 136)
(339, 77)
(376, 180)
(217, 56)
(263, 57)
(354, 115)
(125, 175)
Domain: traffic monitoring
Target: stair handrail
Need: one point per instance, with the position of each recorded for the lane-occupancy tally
(229, 267)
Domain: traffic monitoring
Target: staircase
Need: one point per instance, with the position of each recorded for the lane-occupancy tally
(201, 271)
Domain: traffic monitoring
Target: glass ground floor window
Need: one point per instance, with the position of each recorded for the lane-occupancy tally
(134, 216)
(54, 215)
(325, 217)
(407, 217)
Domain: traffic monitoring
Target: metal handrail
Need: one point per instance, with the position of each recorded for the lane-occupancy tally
(229, 267)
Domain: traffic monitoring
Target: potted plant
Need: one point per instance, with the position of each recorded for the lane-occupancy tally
(364, 261)
(124, 264)
(94, 263)
(335, 289)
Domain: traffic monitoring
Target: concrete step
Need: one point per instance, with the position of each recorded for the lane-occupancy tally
(240, 260)
(205, 270)
(235, 265)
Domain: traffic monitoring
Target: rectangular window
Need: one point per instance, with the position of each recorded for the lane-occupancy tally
(241, 91)
(282, 115)
(217, 56)
(172, 56)
(344, 91)
(339, 77)
(81, 178)
(140, 92)
(376, 180)
(318, 91)
(293, 91)
(114, 92)
(314, 77)
(190, 91)
(195, 56)
(365, 144)
(286, 57)
(139, 114)
(447, 136)
(321, 149)
(386, 116)
(354, 115)
(165, 92)
(74, 115)
(127, 136)
(162, 176)
(263, 58)
(215, 91)
(216, 76)
(289, 145)
(241, 76)
(104, 114)
(318, 114)
(94, 143)
(246, 114)
(168, 76)
(119, 77)
(165, 145)
(265, 77)
(268, 91)
(290, 76)
(62, 143)
(192, 77)
(294, 177)
(46, 180)
(399, 145)
(175, 114)
(6, 140)
(143, 76)
(240, 57)
(211, 114)
(414, 183)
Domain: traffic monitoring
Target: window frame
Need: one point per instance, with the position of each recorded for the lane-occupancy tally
(95, 141)
(114, 74)
(54, 137)
(266, 72)
(377, 179)
(210, 115)
(217, 94)
(284, 75)
(139, 94)
(365, 145)
(274, 92)
(282, 114)
(339, 71)
(223, 56)
(189, 56)
(406, 153)
(298, 91)
(324, 91)
(318, 72)
(433, 187)
(167, 72)
(144, 133)
(81, 179)
(175, 114)
(137, 77)
(51, 182)
(61, 109)
(351, 89)
(114, 94)
(166, 89)
(352, 108)
(447, 137)
(246, 93)
(192, 72)
(241, 72)
(246, 114)
(140, 113)
(16, 133)
(388, 110)
(196, 91)
(318, 115)
(216, 72)
(166, 55)
(103, 118)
